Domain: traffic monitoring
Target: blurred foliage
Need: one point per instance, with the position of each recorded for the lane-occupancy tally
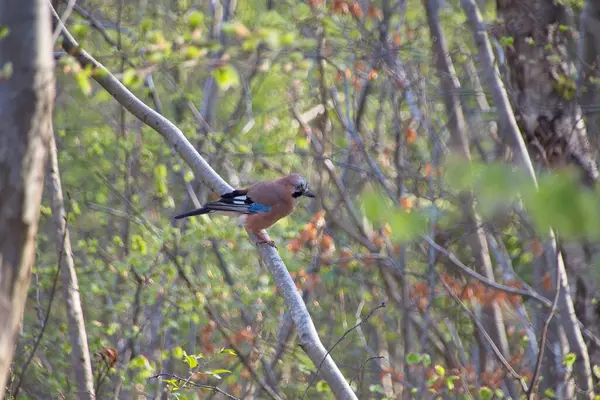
(123, 183)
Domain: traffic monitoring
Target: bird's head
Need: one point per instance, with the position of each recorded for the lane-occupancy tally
(296, 186)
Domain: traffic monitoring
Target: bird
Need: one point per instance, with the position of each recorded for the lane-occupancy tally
(259, 206)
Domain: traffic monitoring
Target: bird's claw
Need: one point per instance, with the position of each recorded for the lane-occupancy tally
(263, 238)
(269, 242)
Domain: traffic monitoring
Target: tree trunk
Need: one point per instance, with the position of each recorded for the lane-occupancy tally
(511, 134)
(589, 69)
(80, 355)
(492, 317)
(545, 101)
(26, 98)
(542, 81)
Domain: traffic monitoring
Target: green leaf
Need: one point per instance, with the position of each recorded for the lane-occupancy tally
(507, 40)
(569, 359)
(228, 351)
(80, 31)
(288, 39)
(83, 82)
(250, 44)
(4, 31)
(226, 77)
(322, 386)
(376, 389)
(236, 28)
(596, 370)
(376, 206)
(562, 204)
(139, 244)
(146, 25)
(130, 77)
(214, 374)
(302, 11)
(407, 226)
(178, 353)
(272, 37)
(195, 19)
(171, 382)
(113, 327)
(193, 52)
(301, 142)
(44, 210)
(450, 381)
(188, 176)
(413, 358)
(160, 179)
(549, 393)
(485, 393)
(220, 371)
(191, 361)
(426, 359)
(140, 362)
(440, 370)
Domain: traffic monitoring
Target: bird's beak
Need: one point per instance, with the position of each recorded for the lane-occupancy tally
(308, 193)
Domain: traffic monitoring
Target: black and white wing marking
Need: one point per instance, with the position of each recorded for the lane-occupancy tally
(233, 202)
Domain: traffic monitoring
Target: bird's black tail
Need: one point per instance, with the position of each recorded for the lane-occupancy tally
(198, 211)
(235, 202)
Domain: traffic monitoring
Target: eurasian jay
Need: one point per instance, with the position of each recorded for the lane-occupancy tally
(259, 206)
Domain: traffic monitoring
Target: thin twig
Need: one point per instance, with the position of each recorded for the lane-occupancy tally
(362, 366)
(487, 337)
(307, 331)
(66, 14)
(540, 357)
(488, 282)
(211, 314)
(382, 305)
(198, 385)
(526, 293)
(45, 323)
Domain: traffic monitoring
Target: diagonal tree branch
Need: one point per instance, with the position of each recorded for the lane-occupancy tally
(307, 333)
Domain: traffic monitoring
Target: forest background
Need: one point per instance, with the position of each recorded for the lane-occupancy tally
(452, 251)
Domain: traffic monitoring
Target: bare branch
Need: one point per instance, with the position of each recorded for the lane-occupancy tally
(198, 385)
(540, 357)
(80, 355)
(487, 337)
(382, 305)
(307, 333)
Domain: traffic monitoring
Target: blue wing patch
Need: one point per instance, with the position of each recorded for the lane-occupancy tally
(256, 208)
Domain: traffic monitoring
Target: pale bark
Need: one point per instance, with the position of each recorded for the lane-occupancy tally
(589, 69)
(26, 98)
(80, 355)
(510, 130)
(307, 334)
(492, 317)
